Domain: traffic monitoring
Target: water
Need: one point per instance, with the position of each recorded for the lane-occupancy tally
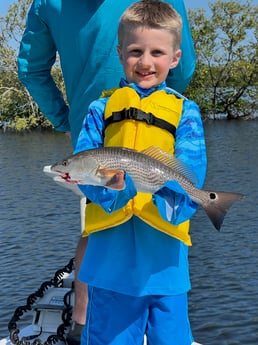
(40, 222)
(39, 230)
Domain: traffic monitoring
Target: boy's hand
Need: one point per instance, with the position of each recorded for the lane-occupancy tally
(110, 200)
(173, 203)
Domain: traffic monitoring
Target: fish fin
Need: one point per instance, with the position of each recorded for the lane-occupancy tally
(115, 178)
(171, 161)
(218, 206)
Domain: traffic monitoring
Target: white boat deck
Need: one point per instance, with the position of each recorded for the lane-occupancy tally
(27, 331)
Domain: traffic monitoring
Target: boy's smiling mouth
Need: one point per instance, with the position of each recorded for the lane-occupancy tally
(145, 74)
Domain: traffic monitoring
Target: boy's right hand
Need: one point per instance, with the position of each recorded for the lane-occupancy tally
(110, 200)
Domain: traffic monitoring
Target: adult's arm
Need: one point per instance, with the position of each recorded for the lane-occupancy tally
(36, 57)
(180, 77)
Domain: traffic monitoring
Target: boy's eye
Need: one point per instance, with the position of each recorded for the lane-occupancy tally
(157, 52)
(135, 52)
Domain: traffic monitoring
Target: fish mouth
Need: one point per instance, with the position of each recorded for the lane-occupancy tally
(65, 177)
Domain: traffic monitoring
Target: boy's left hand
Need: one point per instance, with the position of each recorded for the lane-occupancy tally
(173, 203)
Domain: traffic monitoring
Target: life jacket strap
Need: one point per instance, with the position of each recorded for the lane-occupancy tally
(139, 115)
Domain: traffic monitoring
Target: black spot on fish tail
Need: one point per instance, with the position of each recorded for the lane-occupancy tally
(213, 196)
(218, 205)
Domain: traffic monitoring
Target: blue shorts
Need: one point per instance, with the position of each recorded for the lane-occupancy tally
(118, 319)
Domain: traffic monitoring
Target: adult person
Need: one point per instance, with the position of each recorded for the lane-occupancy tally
(84, 34)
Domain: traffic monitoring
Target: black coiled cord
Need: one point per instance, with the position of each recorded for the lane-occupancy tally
(56, 281)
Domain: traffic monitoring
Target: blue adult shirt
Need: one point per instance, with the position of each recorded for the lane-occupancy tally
(84, 33)
(134, 258)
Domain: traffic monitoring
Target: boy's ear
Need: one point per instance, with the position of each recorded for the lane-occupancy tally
(176, 58)
(120, 55)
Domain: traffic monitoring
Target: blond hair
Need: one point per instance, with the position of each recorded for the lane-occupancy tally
(153, 14)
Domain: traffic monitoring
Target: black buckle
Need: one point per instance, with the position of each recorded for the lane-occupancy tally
(149, 118)
(137, 114)
(131, 113)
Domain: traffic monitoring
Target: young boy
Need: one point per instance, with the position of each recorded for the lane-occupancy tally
(84, 35)
(136, 263)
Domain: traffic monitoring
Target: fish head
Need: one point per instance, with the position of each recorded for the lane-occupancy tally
(76, 169)
(89, 169)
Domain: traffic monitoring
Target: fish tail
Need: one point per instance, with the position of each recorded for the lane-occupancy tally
(218, 205)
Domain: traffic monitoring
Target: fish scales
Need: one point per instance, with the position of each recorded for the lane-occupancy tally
(148, 174)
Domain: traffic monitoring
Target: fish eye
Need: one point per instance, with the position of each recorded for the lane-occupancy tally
(65, 163)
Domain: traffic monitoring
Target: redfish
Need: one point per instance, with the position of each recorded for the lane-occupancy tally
(149, 169)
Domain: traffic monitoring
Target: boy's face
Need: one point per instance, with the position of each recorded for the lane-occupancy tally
(147, 56)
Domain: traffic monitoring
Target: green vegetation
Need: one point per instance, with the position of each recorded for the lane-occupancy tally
(225, 40)
(225, 81)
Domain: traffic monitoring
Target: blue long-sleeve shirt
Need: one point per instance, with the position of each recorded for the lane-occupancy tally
(84, 33)
(134, 258)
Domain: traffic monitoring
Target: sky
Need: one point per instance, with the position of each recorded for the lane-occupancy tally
(4, 4)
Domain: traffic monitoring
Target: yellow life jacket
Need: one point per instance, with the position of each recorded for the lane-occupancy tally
(153, 113)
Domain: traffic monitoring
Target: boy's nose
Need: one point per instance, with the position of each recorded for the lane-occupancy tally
(145, 60)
